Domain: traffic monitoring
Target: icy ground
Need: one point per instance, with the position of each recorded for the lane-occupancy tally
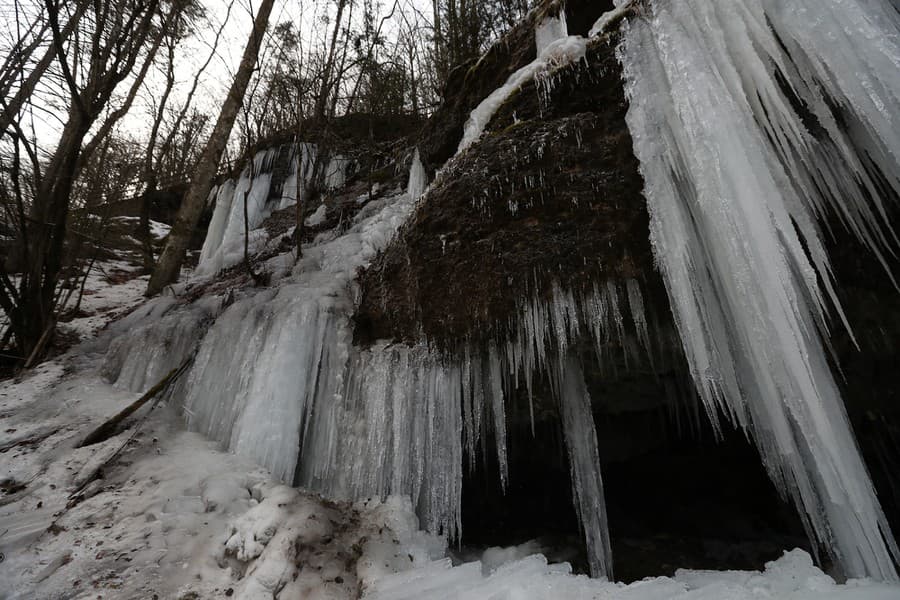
(160, 512)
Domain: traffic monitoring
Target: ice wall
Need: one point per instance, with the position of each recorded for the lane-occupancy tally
(271, 356)
(752, 120)
(224, 243)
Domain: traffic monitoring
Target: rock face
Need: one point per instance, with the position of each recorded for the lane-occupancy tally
(552, 195)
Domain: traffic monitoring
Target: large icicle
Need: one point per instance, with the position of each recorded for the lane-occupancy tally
(418, 177)
(587, 484)
(734, 115)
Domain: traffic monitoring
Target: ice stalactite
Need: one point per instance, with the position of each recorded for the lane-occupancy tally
(751, 120)
(224, 244)
(587, 484)
(418, 177)
(407, 420)
(302, 158)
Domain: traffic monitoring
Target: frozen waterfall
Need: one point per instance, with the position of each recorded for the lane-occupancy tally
(224, 243)
(752, 120)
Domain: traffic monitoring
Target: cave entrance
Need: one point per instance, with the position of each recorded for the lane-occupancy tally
(676, 497)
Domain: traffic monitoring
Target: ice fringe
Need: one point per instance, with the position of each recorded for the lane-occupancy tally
(224, 243)
(752, 119)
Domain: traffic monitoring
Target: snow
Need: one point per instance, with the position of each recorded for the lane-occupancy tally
(607, 18)
(102, 301)
(555, 49)
(735, 182)
(791, 577)
(318, 217)
(172, 515)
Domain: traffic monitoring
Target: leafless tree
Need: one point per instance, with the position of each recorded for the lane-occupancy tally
(93, 49)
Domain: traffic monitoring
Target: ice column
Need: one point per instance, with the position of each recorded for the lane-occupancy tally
(587, 484)
(418, 178)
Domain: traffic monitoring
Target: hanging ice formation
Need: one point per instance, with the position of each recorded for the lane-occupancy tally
(224, 244)
(418, 177)
(752, 119)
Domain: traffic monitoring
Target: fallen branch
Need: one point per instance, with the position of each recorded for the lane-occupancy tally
(109, 428)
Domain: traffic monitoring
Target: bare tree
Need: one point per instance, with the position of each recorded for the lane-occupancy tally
(169, 265)
(17, 69)
(105, 43)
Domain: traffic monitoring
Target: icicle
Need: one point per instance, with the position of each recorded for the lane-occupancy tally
(224, 244)
(734, 177)
(550, 30)
(587, 484)
(216, 229)
(418, 178)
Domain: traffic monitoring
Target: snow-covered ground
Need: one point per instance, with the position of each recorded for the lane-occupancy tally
(160, 512)
(168, 515)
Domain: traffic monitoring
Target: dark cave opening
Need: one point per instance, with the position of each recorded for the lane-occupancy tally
(676, 497)
(697, 503)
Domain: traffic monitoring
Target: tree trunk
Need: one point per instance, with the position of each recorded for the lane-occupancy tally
(325, 90)
(169, 265)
